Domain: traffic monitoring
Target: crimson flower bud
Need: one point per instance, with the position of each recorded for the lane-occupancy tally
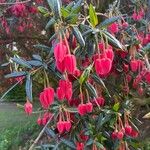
(66, 87)
(134, 134)
(109, 54)
(82, 109)
(60, 126)
(89, 107)
(39, 121)
(103, 66)
(113, 28)
(67, 126)
(114, 135)
(147, 77)
(134, 65)
(60, 93)
(79, 146)
(60, 66)
(120, 135)
(70, 63)
(128, 129)
(28, 108)
(47, 97)
(60, 51)
(44, 121)
(140, 91)
(100, 101)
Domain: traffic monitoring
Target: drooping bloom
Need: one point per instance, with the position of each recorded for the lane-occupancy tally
(28, 108)
(100, 101)
(134, 65)
(63, 126)
(79, 146)
(70, 63)
(64, 90)
(60, 93)
(103, 66)
(147, 77)
(60, 51)
(47, 97)
(113, 28)
(82, 109)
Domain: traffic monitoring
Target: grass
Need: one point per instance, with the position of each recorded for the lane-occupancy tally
(16, 128)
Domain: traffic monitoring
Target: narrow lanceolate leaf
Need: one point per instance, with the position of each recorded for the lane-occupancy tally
(85, 75)
(29, 87)
(100, 81)
(57, 9)
(42, 47)
(51, 4)
(37, 57)
(15, 74)
(68, 143)
(43, 10)
(35, 63)
(91, 89)
(50, 23)
(21, 62)
(78, 36)
(116, 106)
(146, 48)
(109, 21)
(77, 5)
(93, 16)
(112, 40)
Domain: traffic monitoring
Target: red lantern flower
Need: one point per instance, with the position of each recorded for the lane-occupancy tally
(147, 77)
(134, 65)
(60, 51)
(113, 28)
(28, 108)
(65, 90)
(70, 63)
(103, 66)
(79, 146)
(47, 97)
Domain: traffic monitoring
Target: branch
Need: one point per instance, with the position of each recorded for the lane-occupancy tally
(41, 133)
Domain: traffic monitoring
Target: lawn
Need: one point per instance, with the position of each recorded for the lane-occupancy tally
(17, 130)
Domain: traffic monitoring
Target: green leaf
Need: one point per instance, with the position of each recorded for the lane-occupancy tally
(93, 16)
(57, 9)
(99, 145)
(100, 81)
(65, 12)
(15, 74)
(91, 89)
(43, 10)
(112, 40)
(85, 75)
(50, 132)
(42, 47)
(78, 36)
(29, 87)
(72, 18)
(55, 6)
(68, 143)
(50, 23)
(21, 62)
(37, 57)
(146, 48)
(35, 63)
(109, 21)
(116, 106)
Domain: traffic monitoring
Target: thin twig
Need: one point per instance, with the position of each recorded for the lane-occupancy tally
(41, 133)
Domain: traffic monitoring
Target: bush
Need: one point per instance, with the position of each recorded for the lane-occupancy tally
(91, 71)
